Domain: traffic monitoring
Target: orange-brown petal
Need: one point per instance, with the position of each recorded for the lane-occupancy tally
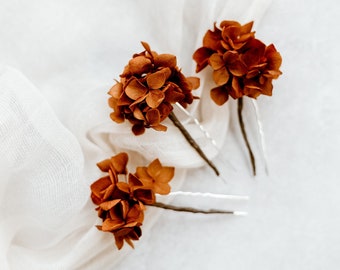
(219, 95)
(146, 47)
(109, 204)
(101, 184)
(194, 82)
(154, 98)
(135, 214)
(116, 91)
(119, 162)
(117, 117)
(104, 165)
(159, 127)
(138, 114)
(134, 181)
(246, 28)
(162, 188)
(237, 68)
(165, 175)
(156, 80)
(154, 168)
(139, 65)
(201, 56)
(142, 174)
(221, 76)
(138, 129)
(135, 89)
(237, 91)
(274, 57)
(227, 23)
(145, 195)
(216, 61)
(212, 40)
(153, 117)
(111, 225)
(165, 60)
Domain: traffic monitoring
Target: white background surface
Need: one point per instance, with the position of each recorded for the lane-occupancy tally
(67, 48)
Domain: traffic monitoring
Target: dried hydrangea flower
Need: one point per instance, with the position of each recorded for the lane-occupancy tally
(121, 196)
(148, 87)
(242, 65)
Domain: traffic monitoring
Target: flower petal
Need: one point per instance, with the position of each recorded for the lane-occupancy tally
(194, 82)
(142, 174)
(201, 56)
(117, 117)
(109, 204)
(165, 60)
(111, 225)
(135, 89)
(236, 90)
(137, 113)
(159, 127)
(237, 68)
(212, 40)
(154, 168)
(274, 58)
(119, 162)
(101, 184)
(138, 129)
(139, 65)
(227, 23)
(104, 165)
(156, 80)
(146, 46)
(154, 98)
(145, 195)
(134, 181)
(246, 28)
(116, 91)
(166, 174)
(216, 61)
(161, 188)
(221, 76)
(219, 95)
(153, 117)
(135, 213)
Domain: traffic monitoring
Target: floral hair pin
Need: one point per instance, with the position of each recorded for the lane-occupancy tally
(149, 86)
(122, 197)
(242, 66)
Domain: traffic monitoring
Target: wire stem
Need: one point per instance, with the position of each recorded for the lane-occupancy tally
(190, 210)
(191, 141)
(240, 119)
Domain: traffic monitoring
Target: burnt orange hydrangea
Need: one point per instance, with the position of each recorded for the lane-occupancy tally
(242, 65)
(149, 84)
(121, 196)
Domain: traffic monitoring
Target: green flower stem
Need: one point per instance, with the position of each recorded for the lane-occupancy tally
(191, 141)
(240, 119)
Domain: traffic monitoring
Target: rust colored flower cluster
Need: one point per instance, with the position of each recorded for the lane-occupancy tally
(148, 86)
(121, 196)
(242, 65)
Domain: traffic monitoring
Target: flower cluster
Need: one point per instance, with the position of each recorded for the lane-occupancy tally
(121, 196)
(148, 86)
(242, 65)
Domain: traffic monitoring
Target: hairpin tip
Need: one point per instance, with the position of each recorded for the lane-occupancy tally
(240, 213)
